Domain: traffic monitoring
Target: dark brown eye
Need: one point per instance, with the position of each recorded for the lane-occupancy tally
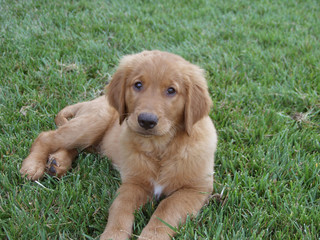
(138, 86)
(171, 91)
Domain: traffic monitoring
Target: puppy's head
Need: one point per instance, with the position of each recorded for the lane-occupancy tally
(158, 93)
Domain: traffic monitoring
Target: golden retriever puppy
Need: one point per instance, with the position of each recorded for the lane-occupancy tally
(153, 124)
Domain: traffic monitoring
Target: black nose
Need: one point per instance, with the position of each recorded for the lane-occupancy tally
(147, 120)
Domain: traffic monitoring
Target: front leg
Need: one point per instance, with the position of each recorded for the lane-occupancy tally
(130, 198)
(173, 210)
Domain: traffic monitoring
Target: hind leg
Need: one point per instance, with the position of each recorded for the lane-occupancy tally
(77, 133)
(60, 162)
(82, 131)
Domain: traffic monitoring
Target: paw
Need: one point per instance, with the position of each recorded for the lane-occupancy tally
(32, 169)
(55, 167)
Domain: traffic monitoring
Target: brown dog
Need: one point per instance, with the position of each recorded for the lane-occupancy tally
(154, 125)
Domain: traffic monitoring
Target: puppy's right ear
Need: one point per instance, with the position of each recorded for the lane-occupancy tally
(116, 89)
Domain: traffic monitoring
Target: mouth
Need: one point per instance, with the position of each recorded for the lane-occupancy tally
(145, 134)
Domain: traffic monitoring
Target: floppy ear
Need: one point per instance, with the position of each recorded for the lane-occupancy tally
(198, 101)
(116, 89)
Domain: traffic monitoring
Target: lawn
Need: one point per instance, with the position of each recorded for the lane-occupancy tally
(262, 62)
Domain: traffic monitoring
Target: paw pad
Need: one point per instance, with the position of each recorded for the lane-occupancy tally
(50, 166)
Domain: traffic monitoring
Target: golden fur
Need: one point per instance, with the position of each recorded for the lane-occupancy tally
(172, 156)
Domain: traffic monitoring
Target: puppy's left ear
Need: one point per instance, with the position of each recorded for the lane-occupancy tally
(198, 102)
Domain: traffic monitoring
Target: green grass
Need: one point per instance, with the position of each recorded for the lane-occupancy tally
(262, 60)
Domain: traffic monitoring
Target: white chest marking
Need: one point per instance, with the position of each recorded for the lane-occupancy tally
(157, 190)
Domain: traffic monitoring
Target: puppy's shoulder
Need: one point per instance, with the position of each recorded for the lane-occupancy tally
(204, 131)
(202, 140)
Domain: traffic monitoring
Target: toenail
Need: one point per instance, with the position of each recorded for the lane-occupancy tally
(52, 169)
(54, 162)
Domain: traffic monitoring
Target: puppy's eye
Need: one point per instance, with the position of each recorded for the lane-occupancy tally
(171, 91)
(138, 86)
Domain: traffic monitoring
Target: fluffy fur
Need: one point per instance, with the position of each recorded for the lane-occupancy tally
(172, 157)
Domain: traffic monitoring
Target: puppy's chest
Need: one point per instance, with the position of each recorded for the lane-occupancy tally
(161, 167)
(166, 177)
(164, 182)
(155, 156)
(157, 190)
